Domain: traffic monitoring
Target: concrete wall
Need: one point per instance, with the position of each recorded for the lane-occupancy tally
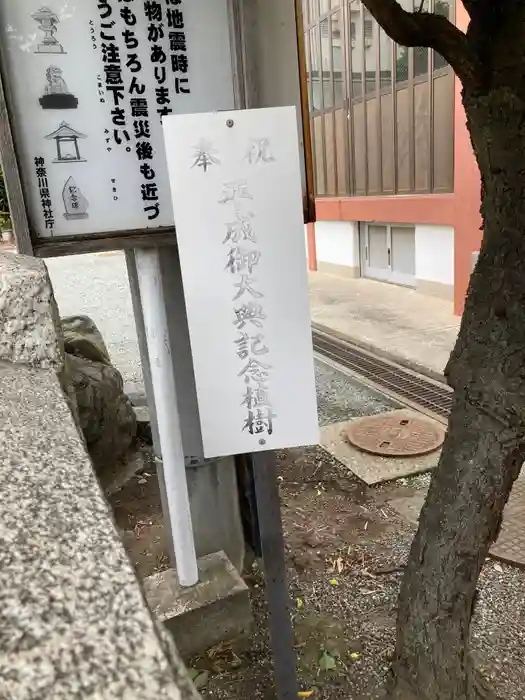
(435, 260)
(74, 618)
(337, 247)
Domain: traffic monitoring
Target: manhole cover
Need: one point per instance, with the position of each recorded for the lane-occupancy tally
(396, 434)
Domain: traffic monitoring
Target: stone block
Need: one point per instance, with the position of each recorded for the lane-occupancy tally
(215, 512)
(73, 619)
(29, 322)
(217, 609)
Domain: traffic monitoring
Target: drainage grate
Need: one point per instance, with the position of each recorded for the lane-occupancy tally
(410, 388)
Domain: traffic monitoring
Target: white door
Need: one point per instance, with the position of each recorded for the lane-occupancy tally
(390, 253)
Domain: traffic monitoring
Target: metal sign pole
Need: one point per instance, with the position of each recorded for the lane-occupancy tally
(272, 545)
(168, 419)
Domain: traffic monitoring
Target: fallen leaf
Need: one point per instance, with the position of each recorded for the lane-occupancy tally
(340, 565)
(327, 662)
(201, 680)
(305, 693)
(355, 656)
(333, 582)
(498, 568)
(300, 603)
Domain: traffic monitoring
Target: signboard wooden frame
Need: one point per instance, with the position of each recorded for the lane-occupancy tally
(26, 240)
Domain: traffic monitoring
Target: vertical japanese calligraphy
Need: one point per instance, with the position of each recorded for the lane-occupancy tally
(113, 77)
(140, 110)
(43, 189)
(178, 48)
(235, 179)
(249, 314)
(131, 120)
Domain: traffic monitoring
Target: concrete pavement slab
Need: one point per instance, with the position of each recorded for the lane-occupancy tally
(399, 321)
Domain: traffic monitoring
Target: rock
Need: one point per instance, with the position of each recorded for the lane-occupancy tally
(201, 680)
(105, 413)
(82, 338)
(31, 333)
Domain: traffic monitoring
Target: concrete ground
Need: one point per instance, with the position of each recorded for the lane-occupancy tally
(396, 320)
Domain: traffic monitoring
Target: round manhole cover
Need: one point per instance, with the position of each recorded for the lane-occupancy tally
(396, 434)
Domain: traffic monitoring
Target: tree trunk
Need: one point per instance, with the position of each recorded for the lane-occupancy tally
(484, 448)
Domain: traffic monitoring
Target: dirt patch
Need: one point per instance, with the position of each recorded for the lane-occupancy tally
(345, 548)
(343, 614)
(138, 514)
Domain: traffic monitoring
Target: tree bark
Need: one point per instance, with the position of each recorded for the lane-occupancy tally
(485, 444)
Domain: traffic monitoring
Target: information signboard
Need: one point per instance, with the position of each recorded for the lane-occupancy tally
(236, 180)
(89, 83)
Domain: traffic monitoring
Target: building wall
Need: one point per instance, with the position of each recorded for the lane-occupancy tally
(381, 115)
(435, 260)
(338, 251)
(337, 247)
(350, 190)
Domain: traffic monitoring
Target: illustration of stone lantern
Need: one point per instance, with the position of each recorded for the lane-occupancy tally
(48, 21)
(67, 144)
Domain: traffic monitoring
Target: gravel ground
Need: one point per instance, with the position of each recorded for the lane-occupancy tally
(340, 397)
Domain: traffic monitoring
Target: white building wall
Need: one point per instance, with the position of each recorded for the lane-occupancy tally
(435, 255)
(338, 252)
(337, 246)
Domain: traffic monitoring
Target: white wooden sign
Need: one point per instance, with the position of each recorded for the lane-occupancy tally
(90, 81)
(236, 186)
